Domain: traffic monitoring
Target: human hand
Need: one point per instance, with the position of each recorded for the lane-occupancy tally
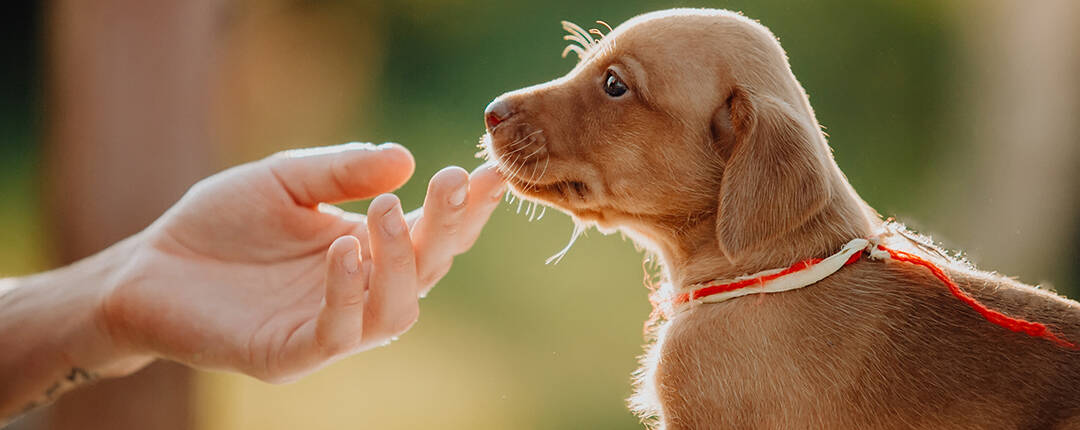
(248, 272)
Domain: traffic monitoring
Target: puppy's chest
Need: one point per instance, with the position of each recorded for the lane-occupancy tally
(720, 366)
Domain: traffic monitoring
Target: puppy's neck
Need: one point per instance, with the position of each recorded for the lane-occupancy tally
(691, 252)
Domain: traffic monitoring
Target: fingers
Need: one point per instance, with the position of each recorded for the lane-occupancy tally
(366, 301)
(338, 328)
(341, 320)
(455, 210)
(392, 296)
(434, 234)
(486, 190)
(343, 172)
(371, 291)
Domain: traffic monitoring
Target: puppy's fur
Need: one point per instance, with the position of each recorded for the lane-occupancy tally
(713, 160)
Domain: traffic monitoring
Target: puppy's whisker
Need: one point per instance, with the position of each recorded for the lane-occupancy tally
(516, 150)
(601, 22)
(575, 49)
(537, 178)
(517, 170)
(483, 154)
(534, 152)
(526, 158)
(578, 230)
(574, 28)
(532, 176)
(525, 125)
(577, 39)
(517, 144)
(526, 137)
(517, 166)
(509, 173)
(504, 156)
(580, 36)
(547, 160)
(524, 141)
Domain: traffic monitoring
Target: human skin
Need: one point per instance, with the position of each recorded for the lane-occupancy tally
(248, 272)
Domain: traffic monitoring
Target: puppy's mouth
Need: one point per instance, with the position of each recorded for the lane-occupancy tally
(560, 190)
(529, 172)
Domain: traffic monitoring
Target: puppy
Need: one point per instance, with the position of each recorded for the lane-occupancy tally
(686, 130)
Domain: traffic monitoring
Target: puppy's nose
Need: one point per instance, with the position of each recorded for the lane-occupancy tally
(497, 112)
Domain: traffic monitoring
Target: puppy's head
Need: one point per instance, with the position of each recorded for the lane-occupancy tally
(673, 119)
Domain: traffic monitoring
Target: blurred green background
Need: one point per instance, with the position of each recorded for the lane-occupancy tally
(956, 117)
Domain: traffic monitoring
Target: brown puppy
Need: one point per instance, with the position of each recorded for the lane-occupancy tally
(686, 130)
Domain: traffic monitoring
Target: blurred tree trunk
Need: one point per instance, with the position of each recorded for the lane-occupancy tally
(296, 74)
(1014, 205)
(127, 132)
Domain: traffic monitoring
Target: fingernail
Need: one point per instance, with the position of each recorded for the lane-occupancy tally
(499, 193)
(392, 222)
(488, 165)
(351, 261)
(457, 198)
(367, 146)
(386, 145)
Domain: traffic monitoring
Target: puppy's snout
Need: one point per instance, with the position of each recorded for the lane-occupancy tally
(498, 111)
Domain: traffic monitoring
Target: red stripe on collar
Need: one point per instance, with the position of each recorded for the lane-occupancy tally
(711, 292)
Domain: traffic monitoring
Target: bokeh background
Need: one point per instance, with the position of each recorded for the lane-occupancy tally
(957, 117)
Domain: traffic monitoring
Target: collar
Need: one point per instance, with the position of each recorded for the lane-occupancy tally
(808, 272)
(798, 275)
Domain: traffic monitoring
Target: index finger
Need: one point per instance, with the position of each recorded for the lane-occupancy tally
(486, 189)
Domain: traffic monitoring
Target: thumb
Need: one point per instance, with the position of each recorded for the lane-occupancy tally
(332, 174)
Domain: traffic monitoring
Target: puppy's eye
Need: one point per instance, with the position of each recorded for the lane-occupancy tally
(613, 86)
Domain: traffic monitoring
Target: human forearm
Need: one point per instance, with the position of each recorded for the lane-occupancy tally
(52, 335)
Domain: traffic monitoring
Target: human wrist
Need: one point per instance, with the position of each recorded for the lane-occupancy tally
(104, 344)
(61, 313)
(53, 334)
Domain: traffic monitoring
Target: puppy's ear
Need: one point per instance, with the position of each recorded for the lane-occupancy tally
(774, 178)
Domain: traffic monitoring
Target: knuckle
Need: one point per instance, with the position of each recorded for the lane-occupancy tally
(430, 277)
(451, 228)
(401, 263)
(339, 174)
(467, 244)
(336, 343)
(275, 378)
(405, 320)
(334, 347)
(276, 162)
